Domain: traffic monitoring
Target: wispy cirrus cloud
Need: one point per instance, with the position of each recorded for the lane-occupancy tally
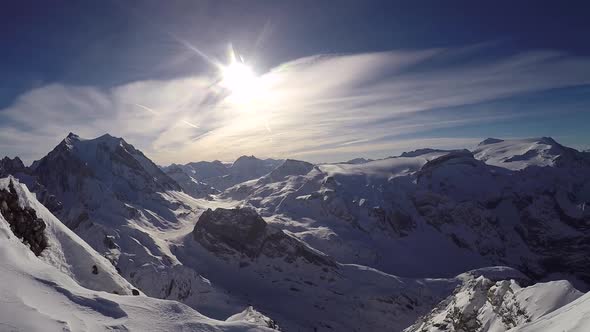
(320, 108)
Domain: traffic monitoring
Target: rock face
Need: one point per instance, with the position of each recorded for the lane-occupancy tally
(11, 166)
(23, 221)
(243, 231)
(26, 175)
(251, 315)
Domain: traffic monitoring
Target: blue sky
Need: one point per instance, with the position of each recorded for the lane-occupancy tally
(341, 79)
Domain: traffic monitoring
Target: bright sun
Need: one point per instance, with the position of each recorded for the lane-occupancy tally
(237, 77)
(242, 82)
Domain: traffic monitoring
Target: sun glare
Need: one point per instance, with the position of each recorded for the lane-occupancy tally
(241, 81)
(238, 77)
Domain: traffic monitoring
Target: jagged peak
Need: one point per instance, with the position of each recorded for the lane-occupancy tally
(97, 157)
(14, 161)
(73, 136)
(11, 166)
(69, 141)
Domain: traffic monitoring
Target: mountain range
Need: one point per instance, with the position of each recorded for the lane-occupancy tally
(96, 236)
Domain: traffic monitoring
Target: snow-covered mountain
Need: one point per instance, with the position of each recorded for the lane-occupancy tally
(272, 266)
(365, 245)
(484, 303)
(11, 166)
(188, 182)
(572, 317)
(54, 243)
(200, 177)
(517, 154)
(67, 286)
(125, 207)
(441, 212)
(146, 230)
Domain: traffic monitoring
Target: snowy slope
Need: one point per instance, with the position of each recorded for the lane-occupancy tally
(323, 295)
(483, 303)
(573, 317)
(67, 252)
(124, 207)
(517, 154)
(38, 297)
(351, 246)
(441, 212)
(145, 234)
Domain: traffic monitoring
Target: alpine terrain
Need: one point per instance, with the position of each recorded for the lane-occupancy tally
(95, 236)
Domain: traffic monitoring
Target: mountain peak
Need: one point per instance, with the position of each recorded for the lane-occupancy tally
(490, 140)
(245, 158)
(109, 137)
(70, 139)
(11, 166)
(548, 140)
(290, 167)
(106, 158)
(517, 154)
(72, 136)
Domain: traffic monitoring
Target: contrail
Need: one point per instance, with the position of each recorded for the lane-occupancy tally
(146, 108)
(151, 110)
(191, 124)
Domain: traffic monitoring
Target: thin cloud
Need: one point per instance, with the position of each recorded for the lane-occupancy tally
(320, 108)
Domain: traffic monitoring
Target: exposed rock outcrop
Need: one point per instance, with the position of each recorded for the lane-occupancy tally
(23, 221)
(242, 231)
(251, 315)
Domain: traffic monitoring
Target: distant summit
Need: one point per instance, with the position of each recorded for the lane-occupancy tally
(357, 161)
(220, 176)
(11, 166)
(517, 154)
(490, 141)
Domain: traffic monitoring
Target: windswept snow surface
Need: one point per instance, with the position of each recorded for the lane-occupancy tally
(67, 252)
(573, 317)
(42, 293)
